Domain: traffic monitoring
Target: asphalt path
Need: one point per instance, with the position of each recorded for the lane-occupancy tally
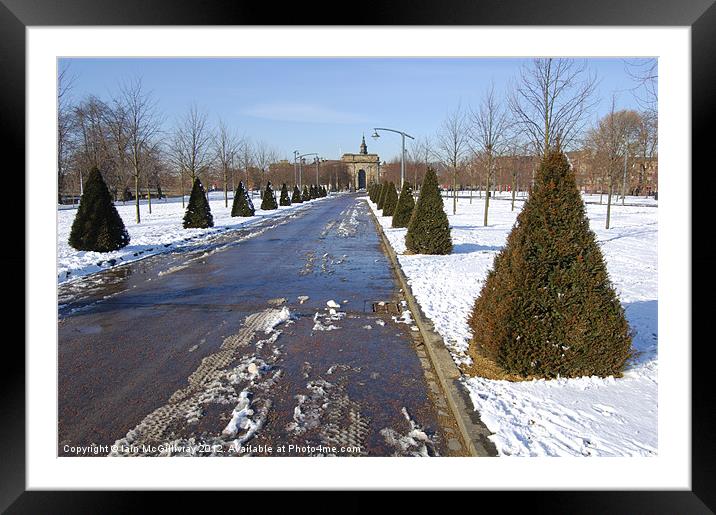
(233, 349)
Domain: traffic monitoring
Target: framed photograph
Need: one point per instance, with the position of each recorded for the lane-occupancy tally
(291, 257)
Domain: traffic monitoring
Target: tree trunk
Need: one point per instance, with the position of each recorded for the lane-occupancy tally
(487, 195)
(454, 192)
(624, 179)
(136, 195)
(609, 203)
(181, 187)
(149, 196)
(513, 193)
(226, 189)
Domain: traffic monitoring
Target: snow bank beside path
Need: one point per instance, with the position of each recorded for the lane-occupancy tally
(158, 232)
(564, 417)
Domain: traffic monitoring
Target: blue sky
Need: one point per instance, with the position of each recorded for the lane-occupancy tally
(323, 105)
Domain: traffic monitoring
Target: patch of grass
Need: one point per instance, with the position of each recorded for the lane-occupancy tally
(488, 369)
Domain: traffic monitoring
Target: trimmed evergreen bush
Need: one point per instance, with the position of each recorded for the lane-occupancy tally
(376, 192)
(404, 208)
(306, 195)
(547, 307)
(390, 201)
(323, 192)
(242, 205)
(313, 193)
(198, 213)
(285, 199)
(381, 195)
(296, 197)
(268, 200)
(97, 225)
(429, 229)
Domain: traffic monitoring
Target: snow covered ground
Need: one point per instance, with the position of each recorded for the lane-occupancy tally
(587, 416)
(159, 231)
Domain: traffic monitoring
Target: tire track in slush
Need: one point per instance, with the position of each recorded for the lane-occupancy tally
(212, 381)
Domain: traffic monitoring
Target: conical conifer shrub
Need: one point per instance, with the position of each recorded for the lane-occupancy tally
(97, 225)
(548, 307)
(285, 200)
(381, 195)
(306, 196)
(242, 206)
(323, 192)
(390, 201)
(198, 213)
(312, 192)
(268, 201)
(296, 197)
(404, 208)
(429, 229)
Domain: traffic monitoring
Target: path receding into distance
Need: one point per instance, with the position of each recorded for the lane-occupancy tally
(233, 345)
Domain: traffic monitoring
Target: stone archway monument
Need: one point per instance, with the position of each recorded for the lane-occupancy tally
(363, 168)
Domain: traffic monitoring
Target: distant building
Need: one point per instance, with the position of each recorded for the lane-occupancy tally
(363, 168)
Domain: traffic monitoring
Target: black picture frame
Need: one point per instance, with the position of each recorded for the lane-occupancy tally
(700, 15)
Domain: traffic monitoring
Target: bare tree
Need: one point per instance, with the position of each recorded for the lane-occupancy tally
(489, 135)
(645, 74)
(65, 82)
(453, 145)
(191, 145)
(116, 121)
(611, 140)
(153, 167)
(551, 100)
(245, 156)
(226, 146)
(518, 154)
(264, 156)
(421, 152)
(142, 127)
(89, 116)
(646, 146)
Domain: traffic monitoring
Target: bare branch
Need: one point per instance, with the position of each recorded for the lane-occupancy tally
(551, 99)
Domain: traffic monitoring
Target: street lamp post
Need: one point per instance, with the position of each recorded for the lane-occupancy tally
(403, 135)
(319, 160)
(300, 167)
(295, 166)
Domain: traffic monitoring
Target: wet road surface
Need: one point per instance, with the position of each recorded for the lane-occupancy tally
(263, 343)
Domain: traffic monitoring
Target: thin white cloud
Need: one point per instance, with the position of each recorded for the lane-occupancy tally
(297, 112)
